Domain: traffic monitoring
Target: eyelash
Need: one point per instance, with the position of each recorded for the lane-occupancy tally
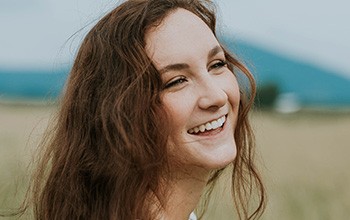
(182, 79)
(175, 82)
(218, 65)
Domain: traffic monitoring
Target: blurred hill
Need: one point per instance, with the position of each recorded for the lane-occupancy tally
(299, 82)
(309, 85)
(31, 84)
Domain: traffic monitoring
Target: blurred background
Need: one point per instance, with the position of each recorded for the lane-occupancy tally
(297, 50)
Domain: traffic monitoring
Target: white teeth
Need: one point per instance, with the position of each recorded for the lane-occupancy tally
(208, 126)
(215, 124)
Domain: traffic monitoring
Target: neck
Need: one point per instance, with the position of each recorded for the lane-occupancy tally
(186, 189)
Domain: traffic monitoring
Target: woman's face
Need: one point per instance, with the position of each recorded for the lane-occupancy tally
(200, 95)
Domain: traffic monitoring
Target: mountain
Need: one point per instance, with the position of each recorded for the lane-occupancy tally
(309, 84)
(31, 84)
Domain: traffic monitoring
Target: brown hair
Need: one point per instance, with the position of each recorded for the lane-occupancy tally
(106, 152)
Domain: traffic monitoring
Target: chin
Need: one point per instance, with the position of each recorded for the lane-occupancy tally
(221, 160)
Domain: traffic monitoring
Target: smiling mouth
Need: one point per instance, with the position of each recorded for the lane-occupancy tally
(209, 126)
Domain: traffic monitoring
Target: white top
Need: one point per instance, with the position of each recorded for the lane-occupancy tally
(192, 216)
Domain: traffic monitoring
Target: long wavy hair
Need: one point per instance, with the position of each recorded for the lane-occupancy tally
(107, 148)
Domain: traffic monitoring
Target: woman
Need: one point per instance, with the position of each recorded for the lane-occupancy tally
(151, 115)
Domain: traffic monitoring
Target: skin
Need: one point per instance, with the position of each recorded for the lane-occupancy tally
(198, 88)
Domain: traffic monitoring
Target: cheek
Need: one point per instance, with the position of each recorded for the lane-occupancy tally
(178, 107)
(235, 96)
(231, 88)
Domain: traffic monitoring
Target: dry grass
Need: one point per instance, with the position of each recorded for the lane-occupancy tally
(306, 159)
(304, 156)
(21, 127)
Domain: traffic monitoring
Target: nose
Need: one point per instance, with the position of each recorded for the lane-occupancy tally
(212, 95)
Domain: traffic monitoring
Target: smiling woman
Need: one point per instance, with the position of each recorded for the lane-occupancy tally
(151, 115)
(199, 90)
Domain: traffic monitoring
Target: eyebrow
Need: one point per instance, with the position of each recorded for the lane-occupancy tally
(181, 66)
(217, 49)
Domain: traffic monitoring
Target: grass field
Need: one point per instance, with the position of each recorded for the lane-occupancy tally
(304, 157)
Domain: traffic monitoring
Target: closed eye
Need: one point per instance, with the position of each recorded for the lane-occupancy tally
(175, 82)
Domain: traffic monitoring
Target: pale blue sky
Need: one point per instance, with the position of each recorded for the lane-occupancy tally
(34, 33)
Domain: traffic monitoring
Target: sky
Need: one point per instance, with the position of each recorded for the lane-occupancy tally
(42, 33)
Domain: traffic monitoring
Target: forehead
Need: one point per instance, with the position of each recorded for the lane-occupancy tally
(181, 36)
